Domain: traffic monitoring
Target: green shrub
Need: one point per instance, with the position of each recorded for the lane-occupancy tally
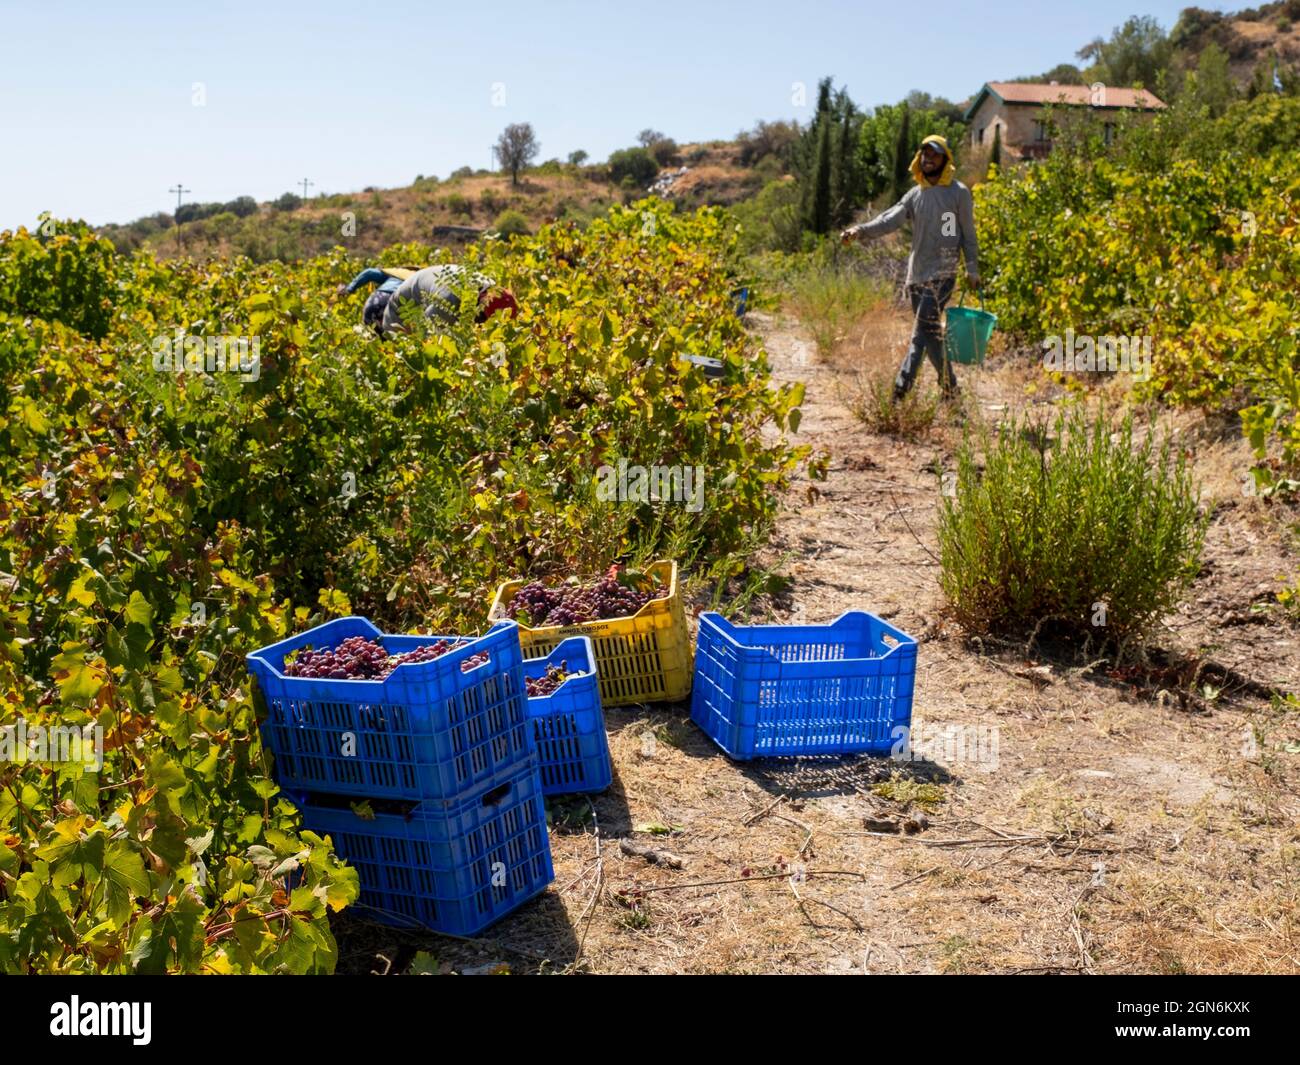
(770, 221)
(1084, 530)
(664, 152)
(458, 203)
(635, 164)
(511, 224)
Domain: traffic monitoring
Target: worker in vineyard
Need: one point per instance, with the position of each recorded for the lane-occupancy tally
(942, 213)
(437, 290)
(387, 279)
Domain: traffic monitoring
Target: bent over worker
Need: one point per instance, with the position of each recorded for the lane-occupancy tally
(436, 289)
(942, 213)
(387, 279)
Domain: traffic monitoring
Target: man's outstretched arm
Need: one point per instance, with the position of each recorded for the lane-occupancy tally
(880, 225)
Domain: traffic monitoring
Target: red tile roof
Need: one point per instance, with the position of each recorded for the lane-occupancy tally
(1020, 92)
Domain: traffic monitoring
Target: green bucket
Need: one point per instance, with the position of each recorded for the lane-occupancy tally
(966, 335)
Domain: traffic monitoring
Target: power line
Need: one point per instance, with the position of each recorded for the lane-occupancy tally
(180, 191)
(304, 183)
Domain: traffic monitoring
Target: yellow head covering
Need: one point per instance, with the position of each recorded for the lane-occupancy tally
(949, 169)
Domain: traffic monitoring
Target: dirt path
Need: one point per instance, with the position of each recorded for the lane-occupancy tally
(1069, 823)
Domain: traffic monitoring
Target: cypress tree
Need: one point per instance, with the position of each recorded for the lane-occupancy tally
(845, 186)
(819, 215)
(903, 155)
(995, 157)
(817, 163)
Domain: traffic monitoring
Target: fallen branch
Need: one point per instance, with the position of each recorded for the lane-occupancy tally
(746, 880)
(651, 854)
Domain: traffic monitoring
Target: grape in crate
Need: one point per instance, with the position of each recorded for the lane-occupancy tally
(620, 593)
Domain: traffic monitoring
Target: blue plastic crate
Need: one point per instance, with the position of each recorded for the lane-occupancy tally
(427, 731)
(453, 869)
(800, 690)
(569, 724)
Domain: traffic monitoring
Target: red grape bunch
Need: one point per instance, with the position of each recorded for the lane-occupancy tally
(358, 658)
(571, 603)
(546, 684)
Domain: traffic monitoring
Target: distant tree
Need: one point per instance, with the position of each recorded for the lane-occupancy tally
(1212, 86)
(192, 212)
(827, 161)
(648, 137)
(664, 151)
(1193, 22)
(879, 139)
(846, 164)
(578, 158)
(902, 177)
(634, 165)
(516, 148)
(768, 139)
(1062, 74)
(459, 172)
(242, 206)
(818, 214)
(1137, 53)
(290, 201)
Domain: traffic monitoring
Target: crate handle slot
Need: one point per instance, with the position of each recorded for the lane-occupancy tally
(496, 795)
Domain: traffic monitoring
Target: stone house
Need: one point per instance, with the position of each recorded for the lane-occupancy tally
(1018, 108)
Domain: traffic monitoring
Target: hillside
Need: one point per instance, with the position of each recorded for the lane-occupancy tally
(1250, 38)
(445, 212)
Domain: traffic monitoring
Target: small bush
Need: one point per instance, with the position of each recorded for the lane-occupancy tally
(665, 152)
(771, 220)
(634, 163)
(1081, 529)
(873, 405)
(511, 224)
(458, 203)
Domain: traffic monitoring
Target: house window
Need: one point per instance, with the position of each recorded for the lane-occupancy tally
(981, 134)
(1108, 132)
(1040, 131)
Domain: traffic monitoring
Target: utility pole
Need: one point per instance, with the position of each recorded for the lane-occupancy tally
(180, 191)
(304, 183)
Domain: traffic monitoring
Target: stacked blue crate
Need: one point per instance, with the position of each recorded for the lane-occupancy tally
(569, 724)
(442, 746)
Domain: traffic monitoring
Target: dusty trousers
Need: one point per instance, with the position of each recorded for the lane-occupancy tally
(928, 300)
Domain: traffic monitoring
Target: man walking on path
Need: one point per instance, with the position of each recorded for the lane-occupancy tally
(942, 214)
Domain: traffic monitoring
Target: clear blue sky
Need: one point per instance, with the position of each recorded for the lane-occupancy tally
(97, 113)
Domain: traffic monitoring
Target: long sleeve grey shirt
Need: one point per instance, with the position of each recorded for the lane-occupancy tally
(943, 225)
(437, 289)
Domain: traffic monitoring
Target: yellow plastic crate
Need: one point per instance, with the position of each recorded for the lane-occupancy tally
(645, 658)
